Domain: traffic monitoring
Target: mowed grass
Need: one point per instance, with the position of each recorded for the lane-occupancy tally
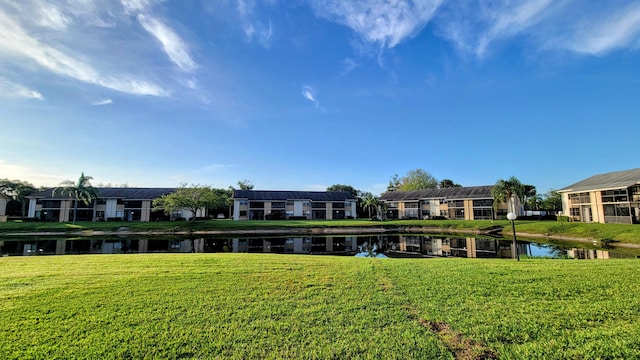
(290, 306)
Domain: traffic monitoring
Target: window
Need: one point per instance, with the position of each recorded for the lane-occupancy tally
(483, 203)
(336, 205)
(456, 203)
(318, 205)
(482, 214)
(257, 205)
(411, 213)
(616, 210)
(574, 211)
(133, 204)
(243, 202)
(278, 205)
(619, 195)
(410, 205)
(579, 198)
(243, 212)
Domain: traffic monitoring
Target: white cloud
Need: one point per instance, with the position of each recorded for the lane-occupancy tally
(172, 44)
(50, 16)
(15, 42)
(10, 89)
(309, 94)
(593, 28)
(102, 102)
(133, 6)
(253, 28)
(618, 29)
(387, 22)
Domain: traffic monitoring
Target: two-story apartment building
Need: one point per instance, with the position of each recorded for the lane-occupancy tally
(311, 205)
(605, 198)
(464, 203)
(128, 204)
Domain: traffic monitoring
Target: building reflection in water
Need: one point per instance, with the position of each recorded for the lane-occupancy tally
(390, 245)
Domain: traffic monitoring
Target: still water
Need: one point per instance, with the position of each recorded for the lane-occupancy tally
(401, 245)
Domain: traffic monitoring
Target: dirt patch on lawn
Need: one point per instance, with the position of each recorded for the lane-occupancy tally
(461, 347)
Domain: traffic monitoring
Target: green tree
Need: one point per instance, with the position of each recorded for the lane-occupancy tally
(18, 191)
(191, 198)
(368, 202)
(394, 183)
(448, 183)
(80, 190)
(339, 187)
(506, 191)
(418, 179)
(245, 185)
(552, 201)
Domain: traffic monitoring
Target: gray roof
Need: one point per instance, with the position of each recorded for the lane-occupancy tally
(612, 180)
(468, 192)
(112, 193)
(268, 195)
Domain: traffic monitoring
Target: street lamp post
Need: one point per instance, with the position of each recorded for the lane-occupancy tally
(512, 216)
(561, 219)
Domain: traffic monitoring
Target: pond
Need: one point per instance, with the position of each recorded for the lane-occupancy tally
(398, 245)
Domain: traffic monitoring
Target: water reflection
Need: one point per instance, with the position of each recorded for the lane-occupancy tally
(389, 245)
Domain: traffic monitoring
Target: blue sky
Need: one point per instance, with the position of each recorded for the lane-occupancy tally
(302, 94)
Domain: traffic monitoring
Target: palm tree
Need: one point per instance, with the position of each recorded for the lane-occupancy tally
(507, 191)
(82, 190)
(369, 201)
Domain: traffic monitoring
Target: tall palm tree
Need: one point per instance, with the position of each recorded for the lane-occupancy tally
(81, 190)
(508, 191)
(369, 201)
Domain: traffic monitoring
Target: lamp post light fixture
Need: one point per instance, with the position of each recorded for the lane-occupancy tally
(512, 216)
(561, 219)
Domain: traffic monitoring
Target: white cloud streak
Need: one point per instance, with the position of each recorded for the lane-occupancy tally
(172, 44)
(16, 42)
(10, 89)
(386, 22)
(102, 102)
(571, 25)
(614, 30)
(309, 94)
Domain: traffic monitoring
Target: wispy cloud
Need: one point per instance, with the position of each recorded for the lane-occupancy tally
(102, 102)
(254, 28)
(172, 44)
(52, 17)
(309, 94)
(16, 43)
(386, 22)
(11, 89)
(619, 28)
(545, 25)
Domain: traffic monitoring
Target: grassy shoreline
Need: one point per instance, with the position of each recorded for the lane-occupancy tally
(623, 233)
(272, 306)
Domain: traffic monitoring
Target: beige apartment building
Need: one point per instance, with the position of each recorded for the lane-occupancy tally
(463, 203)
(291, 205)
(125, 204)
(604, 198)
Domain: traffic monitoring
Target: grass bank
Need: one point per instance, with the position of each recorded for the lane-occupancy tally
(269, 306)
(619, 232)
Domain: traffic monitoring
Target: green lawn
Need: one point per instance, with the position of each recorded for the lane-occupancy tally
(620, 232)
(287, 306)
